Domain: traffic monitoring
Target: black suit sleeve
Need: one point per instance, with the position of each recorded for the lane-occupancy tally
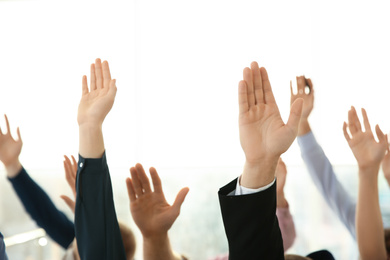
(251, 225)
(96, 226)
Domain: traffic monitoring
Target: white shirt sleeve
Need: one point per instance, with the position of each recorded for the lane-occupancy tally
(241, 190)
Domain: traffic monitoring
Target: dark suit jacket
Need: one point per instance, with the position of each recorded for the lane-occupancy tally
(251, 225)
(96, 226)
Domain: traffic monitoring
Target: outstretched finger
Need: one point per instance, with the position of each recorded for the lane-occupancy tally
(106, 74)
(243, 104)
(249, 82)
(301, 84)
(7, 123)
(180, 199)
(143, 178)
(99, 73)
(74, 166)
(157, 186)
(353, 121)
(93, 77)
(381, 136)
(84, 84)
(346, 135)
(268, 94)
(367, 125)
(112, 90)
(295, 115)
(136, 182)
(291, 89)
(257, 83)
(130, 190)
(71, 204)
(18, 133)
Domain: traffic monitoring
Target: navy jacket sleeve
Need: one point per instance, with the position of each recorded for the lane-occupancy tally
(3, 255)
(97, 230)
(251, 225)
(41, 209)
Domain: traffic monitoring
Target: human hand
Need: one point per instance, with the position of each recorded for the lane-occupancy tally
(98, 101)
(367, 151)
(10, 150)
(308, 102)
(263, 134)
(151, 212)
(70, 175)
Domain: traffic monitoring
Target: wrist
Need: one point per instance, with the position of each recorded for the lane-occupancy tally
(91, 144)
(304, 126)
(369, 172)
(13, 168)
(281, 201)
(259, 174)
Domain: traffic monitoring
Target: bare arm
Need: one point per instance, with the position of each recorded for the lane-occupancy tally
(369, 154)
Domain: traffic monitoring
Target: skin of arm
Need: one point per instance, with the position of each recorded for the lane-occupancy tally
(369, 154)
(263, 134)
(152, 214)
(386, 165)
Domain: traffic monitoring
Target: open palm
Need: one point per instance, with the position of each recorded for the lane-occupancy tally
(367, 151)
(150, 210)
(9, 147)
(98, 101)
(262, 131)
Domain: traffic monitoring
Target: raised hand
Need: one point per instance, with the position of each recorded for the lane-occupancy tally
(367, 151)
(70, 175)
(94, 105)
(308, 102)
(263, 134)
(96, 102)
(151, 212)
(10, 150)
(369, 154)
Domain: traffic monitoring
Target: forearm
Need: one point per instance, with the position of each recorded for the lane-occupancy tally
(321, 171)
(13, 169)
(91, 144)
(369, 227)
(42, 210)
(159, 248)
(256, 175)
(96, 225)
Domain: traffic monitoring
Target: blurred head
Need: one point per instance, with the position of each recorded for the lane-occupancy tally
(128, 239)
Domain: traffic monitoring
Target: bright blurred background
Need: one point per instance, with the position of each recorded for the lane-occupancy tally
(177, 65)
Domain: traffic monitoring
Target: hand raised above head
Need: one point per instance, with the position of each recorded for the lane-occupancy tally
(308, 98)
(10, 150)
(150, 210)
(367, 151)
(96, 102)
(263, 134)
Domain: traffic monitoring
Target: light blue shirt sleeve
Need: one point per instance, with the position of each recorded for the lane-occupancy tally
(324, 178)
(3, 255)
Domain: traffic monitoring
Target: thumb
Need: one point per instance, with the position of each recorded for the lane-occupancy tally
(295, 115)
(180, 199)
(71, 204)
